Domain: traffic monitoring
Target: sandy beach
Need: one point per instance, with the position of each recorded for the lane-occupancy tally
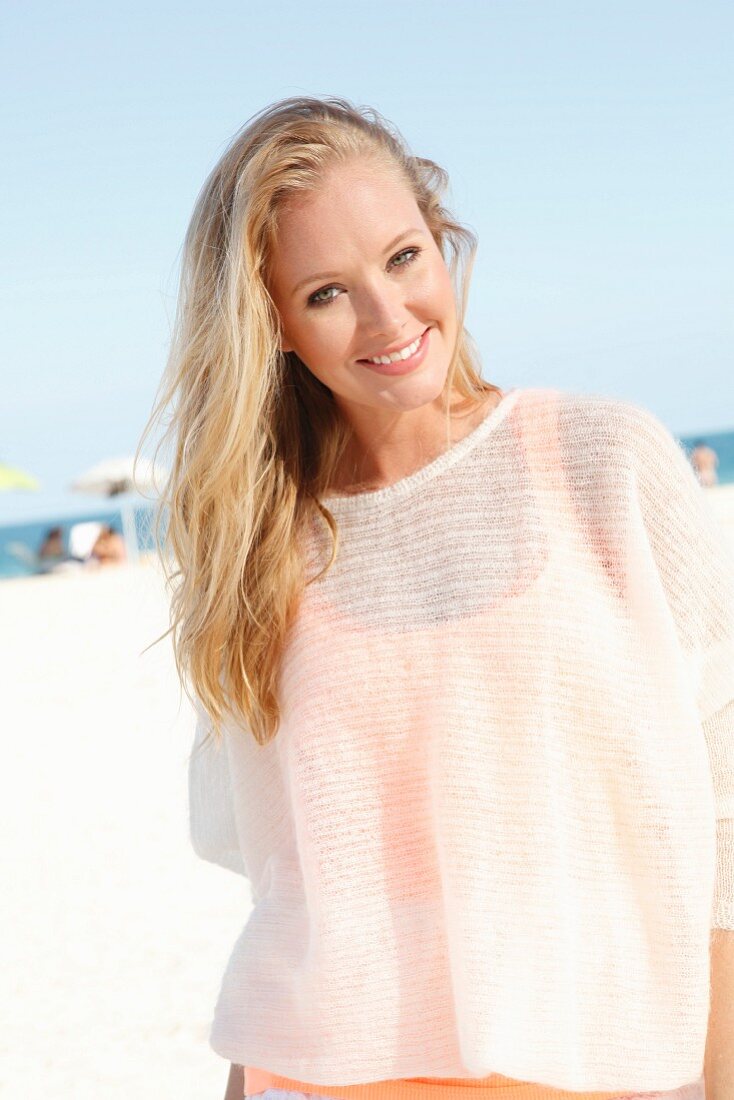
(114, 934)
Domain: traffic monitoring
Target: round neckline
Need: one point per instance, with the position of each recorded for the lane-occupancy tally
(351, 502)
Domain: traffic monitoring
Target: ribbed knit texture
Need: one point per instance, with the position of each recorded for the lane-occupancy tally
(496, 825)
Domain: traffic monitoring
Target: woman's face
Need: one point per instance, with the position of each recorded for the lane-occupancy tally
(356, 276)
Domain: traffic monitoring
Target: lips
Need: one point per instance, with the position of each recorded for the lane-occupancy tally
(406, 344)
(399, 365)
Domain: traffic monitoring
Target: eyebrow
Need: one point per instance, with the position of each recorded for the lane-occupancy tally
(332, 274)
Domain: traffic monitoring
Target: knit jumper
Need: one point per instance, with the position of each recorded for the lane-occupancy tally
(495, 828)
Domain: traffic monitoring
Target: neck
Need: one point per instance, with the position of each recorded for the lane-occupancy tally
(374, 460)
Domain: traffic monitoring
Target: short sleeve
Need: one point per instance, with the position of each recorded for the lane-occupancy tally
(212, 825)
(696, 565)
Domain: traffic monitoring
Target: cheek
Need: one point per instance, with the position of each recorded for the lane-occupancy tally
(324, 336)
(437, 291)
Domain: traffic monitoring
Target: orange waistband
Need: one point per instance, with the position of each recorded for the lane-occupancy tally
(494, 1087)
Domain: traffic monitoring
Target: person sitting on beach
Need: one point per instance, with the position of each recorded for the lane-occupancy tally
(704, 460)
(52, 546)
(52, 551)
(109, 547)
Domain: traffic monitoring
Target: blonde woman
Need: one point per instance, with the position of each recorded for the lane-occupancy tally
(461, 659)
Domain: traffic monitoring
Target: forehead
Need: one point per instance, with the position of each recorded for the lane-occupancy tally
(357, 208)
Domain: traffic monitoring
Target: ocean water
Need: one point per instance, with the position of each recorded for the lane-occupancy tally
(20, 542)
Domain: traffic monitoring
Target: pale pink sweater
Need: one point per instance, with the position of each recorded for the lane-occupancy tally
(496, 825)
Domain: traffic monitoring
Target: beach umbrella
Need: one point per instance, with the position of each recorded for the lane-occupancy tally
(114, 478)
(10, 478)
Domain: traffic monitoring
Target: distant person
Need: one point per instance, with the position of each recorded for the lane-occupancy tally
(705, 460)
(52, 551)
(53, 544)
(109, 547)
(50, 555)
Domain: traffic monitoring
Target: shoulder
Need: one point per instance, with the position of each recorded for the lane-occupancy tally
(582, 410)
(605, 449)
(595, 425)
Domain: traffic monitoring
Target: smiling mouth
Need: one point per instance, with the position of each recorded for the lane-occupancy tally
(396, 356)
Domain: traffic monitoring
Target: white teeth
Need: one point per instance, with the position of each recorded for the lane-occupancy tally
(397, 356)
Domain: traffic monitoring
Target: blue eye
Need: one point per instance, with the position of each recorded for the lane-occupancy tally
(411, 253)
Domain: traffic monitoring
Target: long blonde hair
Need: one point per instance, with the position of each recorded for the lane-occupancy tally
(255, 437)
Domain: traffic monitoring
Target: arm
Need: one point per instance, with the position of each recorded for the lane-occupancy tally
(719, 1063)
(235, 1083)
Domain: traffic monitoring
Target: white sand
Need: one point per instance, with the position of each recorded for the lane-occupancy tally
(114, 934)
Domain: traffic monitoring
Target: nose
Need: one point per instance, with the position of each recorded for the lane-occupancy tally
(381, 312)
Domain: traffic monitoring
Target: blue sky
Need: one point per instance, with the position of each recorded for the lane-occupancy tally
(589, 145)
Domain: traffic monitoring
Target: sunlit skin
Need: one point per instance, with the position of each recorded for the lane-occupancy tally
(357, 273)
